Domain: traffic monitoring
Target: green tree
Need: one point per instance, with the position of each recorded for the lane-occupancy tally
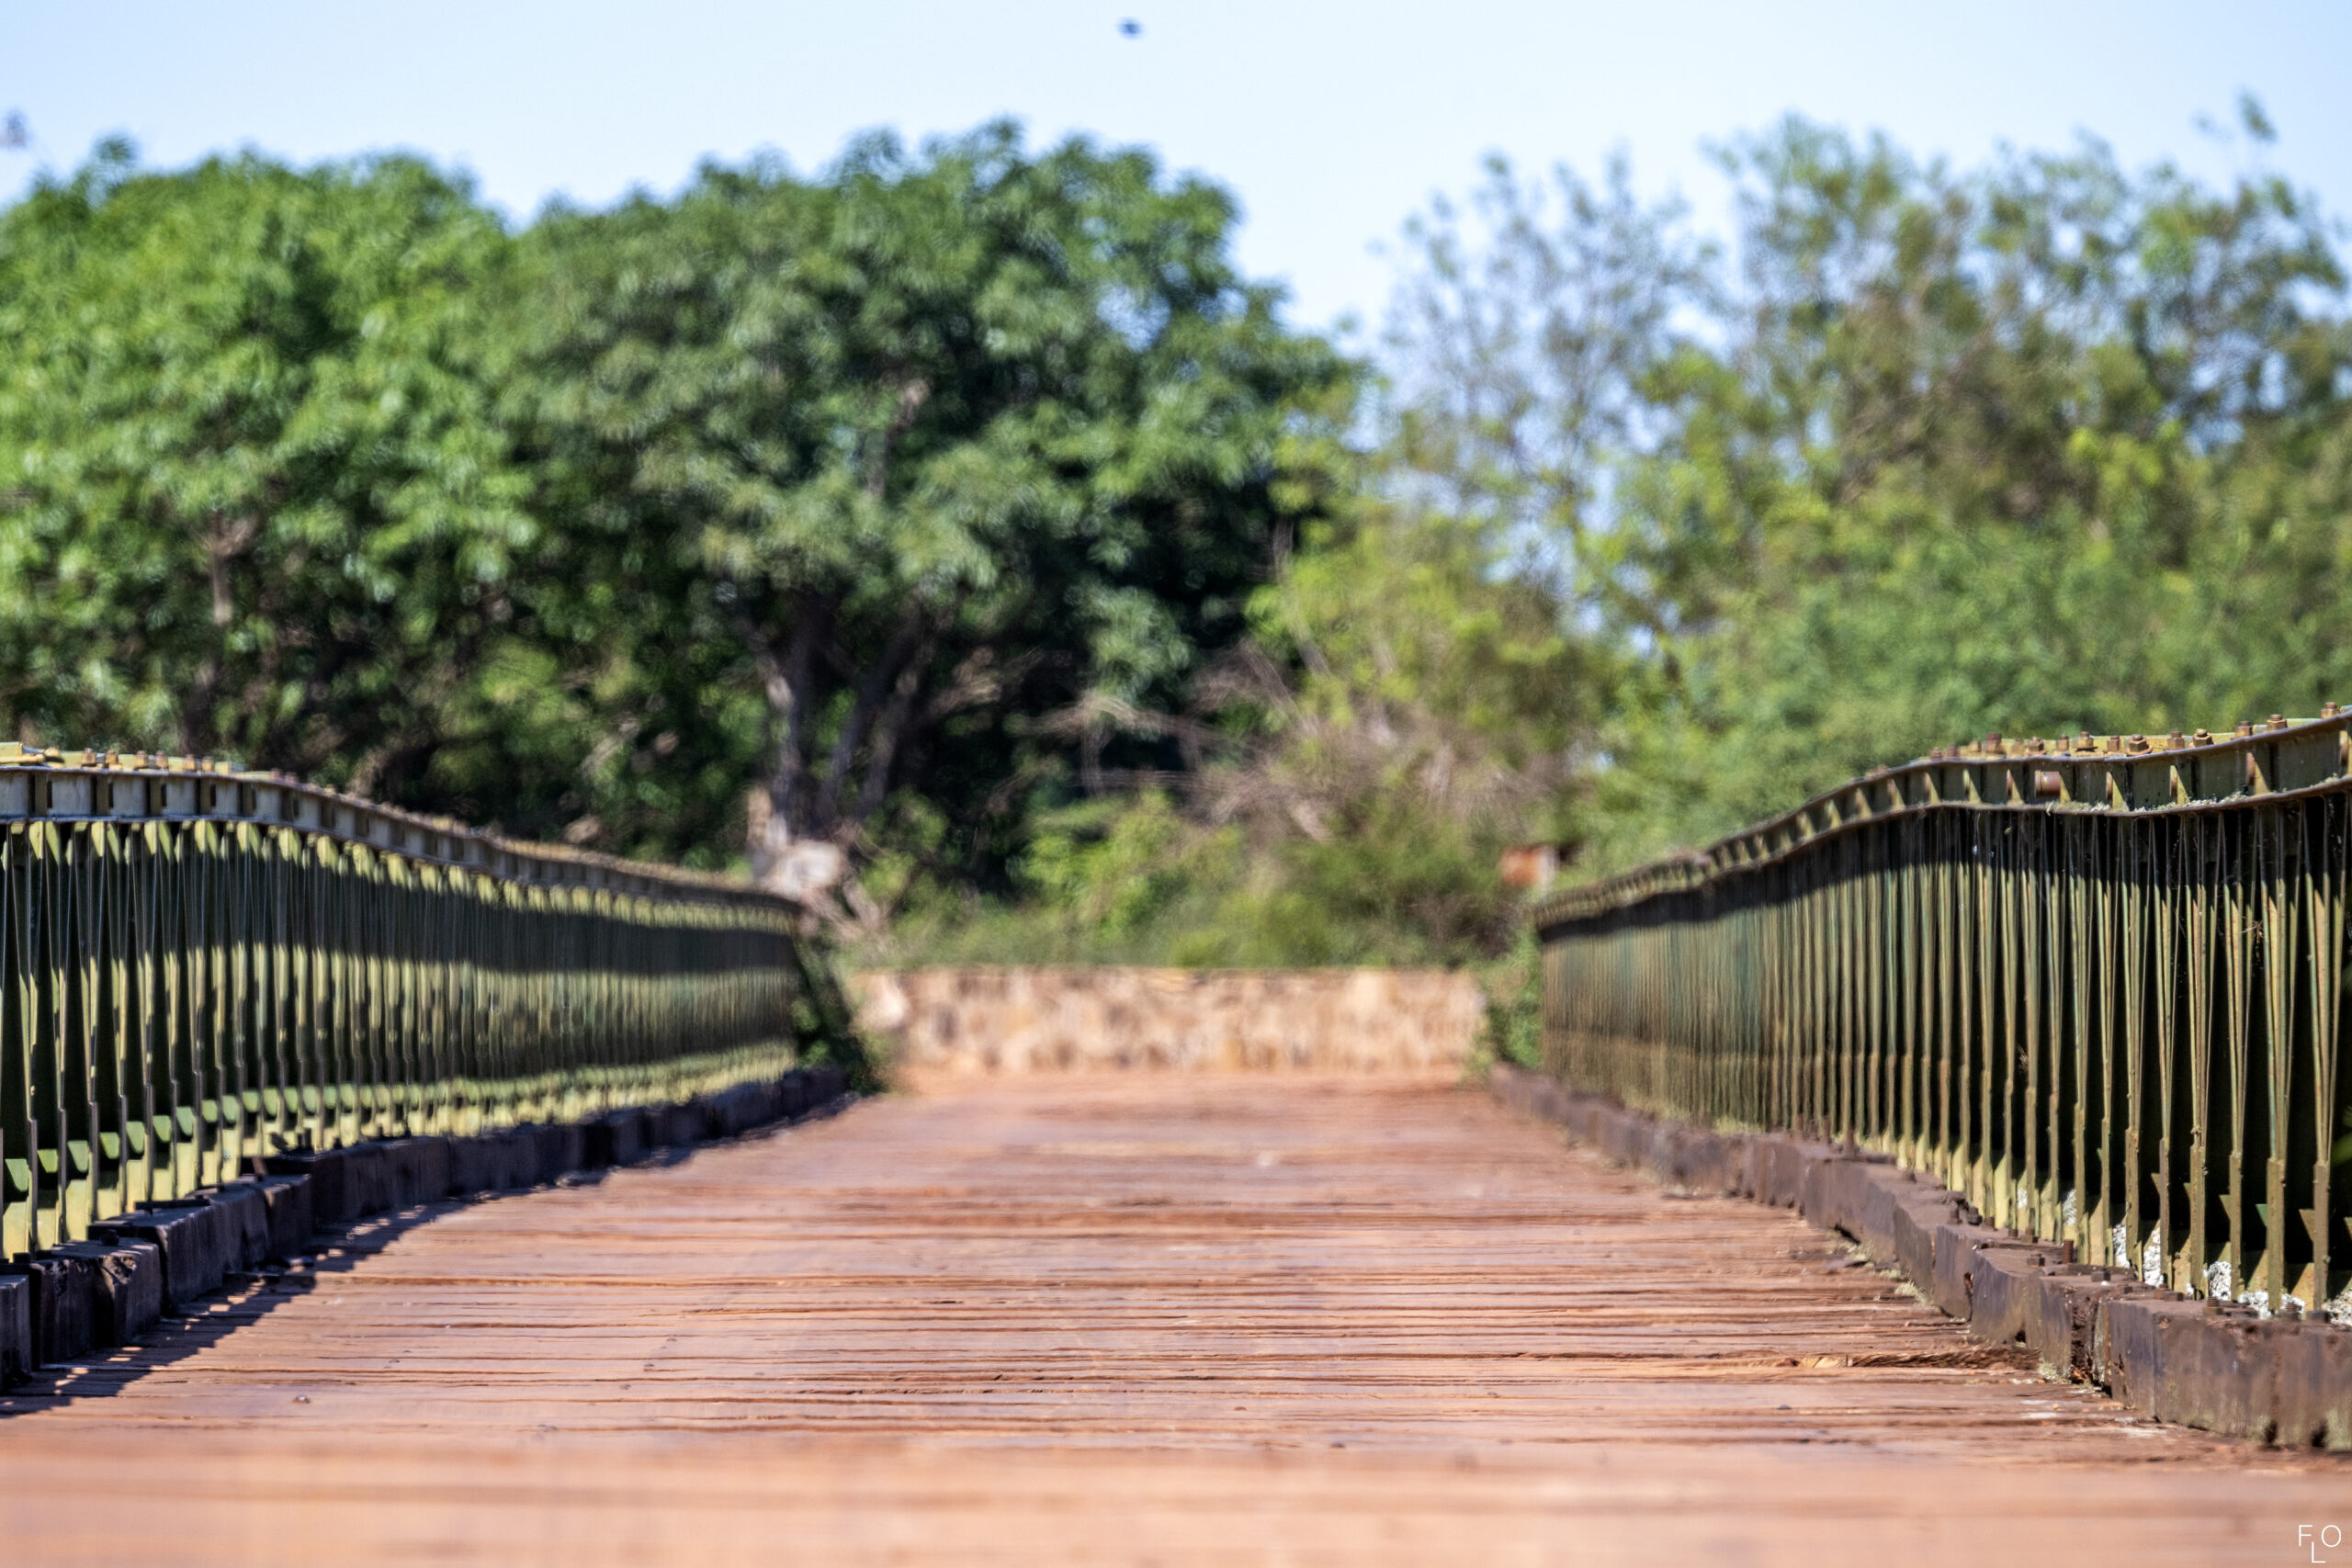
(1407, 706)
(2035, 447)
(253, 497)
(940, 446)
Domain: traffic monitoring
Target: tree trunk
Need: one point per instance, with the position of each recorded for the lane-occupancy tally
(877, 683)
(779, 819)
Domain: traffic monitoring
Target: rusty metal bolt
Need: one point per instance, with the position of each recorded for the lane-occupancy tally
(2245, 727)
(2136, 743)
(2276, 722)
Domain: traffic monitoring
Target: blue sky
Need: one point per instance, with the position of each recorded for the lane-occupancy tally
(1331, 121)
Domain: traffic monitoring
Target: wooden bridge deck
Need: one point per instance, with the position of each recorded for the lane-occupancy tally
(1142, 1319)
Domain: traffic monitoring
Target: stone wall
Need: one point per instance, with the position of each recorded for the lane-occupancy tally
(1029, 1019)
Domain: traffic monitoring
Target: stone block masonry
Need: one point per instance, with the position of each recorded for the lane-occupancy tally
(1018, 1020)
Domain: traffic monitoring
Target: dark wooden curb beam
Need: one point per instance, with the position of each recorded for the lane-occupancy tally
(2170, 1357)
(136, 1269)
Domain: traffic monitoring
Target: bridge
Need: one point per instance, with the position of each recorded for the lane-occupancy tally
(1150, 1315)
(1142, 1317)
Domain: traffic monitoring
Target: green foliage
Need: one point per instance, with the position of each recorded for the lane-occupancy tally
(1115, 866)
(2035, 448)
(845, 492)
(958, 532)
(938, 447)
(1407, 708)
(252, 496)
(1513, 1029)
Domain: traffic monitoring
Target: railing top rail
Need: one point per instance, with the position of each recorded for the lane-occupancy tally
(53, 784)
(2103, 774)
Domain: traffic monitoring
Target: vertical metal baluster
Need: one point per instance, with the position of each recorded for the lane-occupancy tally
(20, 1191)
(195, 973)
(2324, 880)
(2083, 916)
(2143, 976)
(1948, 989)
(2025, 1101)
(2237, 1017)
(2279, 907)
(2197, 913)
(1991, 1040)
(2164, 934)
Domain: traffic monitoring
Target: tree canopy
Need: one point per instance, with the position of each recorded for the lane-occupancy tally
(948, 452)
(254, 498)
(2037, 447)
(857, 498)
(958, 536)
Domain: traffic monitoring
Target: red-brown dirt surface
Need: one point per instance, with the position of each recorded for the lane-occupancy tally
(1120, 1319)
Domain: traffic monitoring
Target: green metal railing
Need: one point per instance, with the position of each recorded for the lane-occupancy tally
(199, 968)
(2095, 984)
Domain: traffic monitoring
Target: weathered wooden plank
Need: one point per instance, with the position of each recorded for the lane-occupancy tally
(1114, 1318)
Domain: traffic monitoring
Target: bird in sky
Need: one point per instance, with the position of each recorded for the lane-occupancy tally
(1130, 27)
